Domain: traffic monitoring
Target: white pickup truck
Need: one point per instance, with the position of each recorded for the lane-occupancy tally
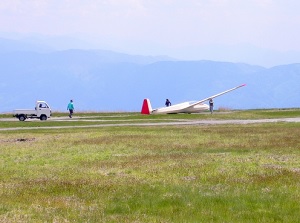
(42, 111)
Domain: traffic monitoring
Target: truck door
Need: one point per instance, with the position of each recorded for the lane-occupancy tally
(42, 108)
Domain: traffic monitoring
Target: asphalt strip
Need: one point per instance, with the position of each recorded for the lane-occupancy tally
(194, 122)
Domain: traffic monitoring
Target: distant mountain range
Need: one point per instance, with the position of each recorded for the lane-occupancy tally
(99, 80)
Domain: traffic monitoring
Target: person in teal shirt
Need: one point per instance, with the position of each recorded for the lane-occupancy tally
(70, 108)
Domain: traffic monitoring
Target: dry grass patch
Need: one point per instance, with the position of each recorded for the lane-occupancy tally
(224, 173)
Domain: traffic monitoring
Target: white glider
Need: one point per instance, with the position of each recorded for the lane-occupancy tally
(185, 107)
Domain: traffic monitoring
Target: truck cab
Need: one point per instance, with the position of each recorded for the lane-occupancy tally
(43, 110)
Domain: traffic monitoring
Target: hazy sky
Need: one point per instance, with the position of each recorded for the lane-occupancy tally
(157, 25)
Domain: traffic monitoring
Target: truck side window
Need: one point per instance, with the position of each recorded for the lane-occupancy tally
(43, 105)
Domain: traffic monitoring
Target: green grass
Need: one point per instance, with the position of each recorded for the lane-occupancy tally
(83, 119)
(215, 173)
(230, 114)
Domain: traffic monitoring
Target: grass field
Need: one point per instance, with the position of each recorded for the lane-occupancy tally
(215, 173)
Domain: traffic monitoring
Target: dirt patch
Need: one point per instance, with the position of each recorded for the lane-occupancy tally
(19, 140)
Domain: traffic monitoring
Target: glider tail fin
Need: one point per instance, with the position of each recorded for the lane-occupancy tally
(146, 108)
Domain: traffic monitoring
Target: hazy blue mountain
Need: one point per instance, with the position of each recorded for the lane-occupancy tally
(100, 80)
(241, 53)
(237, 53)
(10, 45)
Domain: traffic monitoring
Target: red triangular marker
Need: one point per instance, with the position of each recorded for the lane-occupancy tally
(146, 107)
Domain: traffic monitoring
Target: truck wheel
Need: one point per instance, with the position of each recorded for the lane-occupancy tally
(22, 118)
(43, 117)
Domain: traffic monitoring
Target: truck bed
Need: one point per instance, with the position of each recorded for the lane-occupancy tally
(25, 111)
